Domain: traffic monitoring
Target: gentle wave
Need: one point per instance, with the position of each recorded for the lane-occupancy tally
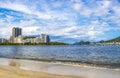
(96, 56)
(74, 63)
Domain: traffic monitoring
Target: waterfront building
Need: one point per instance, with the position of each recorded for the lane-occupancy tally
(29, 40)
(42, 39)
(38, 40)
(18, 39)
(16, 35)
(45, 38)
(16, 32)
(10, 39)
(48, 39)
(2, 40)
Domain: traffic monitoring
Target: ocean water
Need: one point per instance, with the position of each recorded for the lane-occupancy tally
(107, 56)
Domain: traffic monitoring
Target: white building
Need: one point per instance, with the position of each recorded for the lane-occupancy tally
(30, 40)
(44, 38)
(17, 39)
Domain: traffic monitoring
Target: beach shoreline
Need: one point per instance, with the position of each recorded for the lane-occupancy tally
(67, 62)
(60, 69)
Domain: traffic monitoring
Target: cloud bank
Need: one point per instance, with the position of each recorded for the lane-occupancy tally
(69, 20)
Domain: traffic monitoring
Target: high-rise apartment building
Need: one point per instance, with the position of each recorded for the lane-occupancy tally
(16, 32)
(16, 35)
(45, 38)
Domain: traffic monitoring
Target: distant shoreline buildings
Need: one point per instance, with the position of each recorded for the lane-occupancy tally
(17, 37)
(43, 39)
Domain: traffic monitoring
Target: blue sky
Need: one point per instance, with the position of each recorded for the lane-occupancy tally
(64, 20)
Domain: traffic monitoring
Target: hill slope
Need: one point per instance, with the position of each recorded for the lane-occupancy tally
(114, 40)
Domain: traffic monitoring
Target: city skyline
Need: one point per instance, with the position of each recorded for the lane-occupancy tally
(17, 37)
(64, 20)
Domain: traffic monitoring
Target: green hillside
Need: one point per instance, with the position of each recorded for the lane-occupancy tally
(114, 40)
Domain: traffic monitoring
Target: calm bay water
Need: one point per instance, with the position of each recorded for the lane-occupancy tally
(108, 56)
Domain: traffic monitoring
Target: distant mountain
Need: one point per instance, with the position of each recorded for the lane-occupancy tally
(82, 43)
(114, 40)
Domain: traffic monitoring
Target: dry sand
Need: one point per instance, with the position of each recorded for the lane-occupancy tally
(15, 72)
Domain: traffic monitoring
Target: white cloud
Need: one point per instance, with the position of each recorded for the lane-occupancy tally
(31, 30)
(26, 9)
(77, 6)
(64, 21)
(16, 7)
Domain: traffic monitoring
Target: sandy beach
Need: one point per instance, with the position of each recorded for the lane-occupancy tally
(13, 72)
(19, 68)
(12, 69)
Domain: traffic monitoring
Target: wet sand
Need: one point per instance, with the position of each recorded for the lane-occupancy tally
(36, 69)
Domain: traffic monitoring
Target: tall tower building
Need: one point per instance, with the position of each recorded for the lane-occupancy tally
(48, 39)
(16, 35)
(16, 32)
(45, 38)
